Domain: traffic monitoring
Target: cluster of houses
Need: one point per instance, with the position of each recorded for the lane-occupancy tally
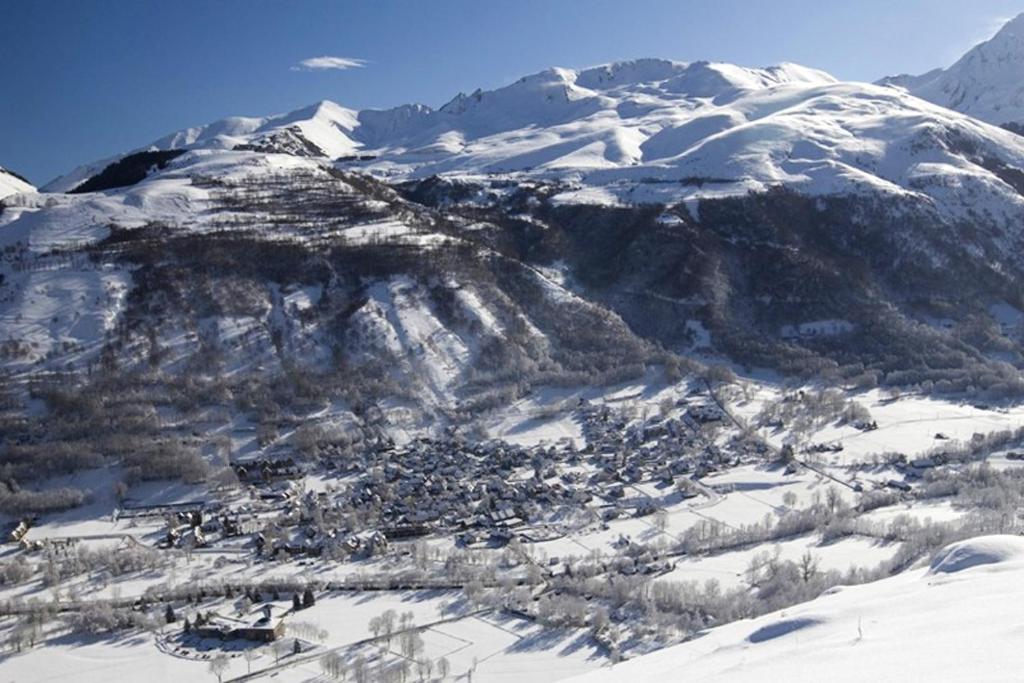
(480, 492)
(267, 470)
(671, 450)
(487, 492)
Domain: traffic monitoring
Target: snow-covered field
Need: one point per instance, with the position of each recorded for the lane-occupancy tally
(952, 622)
(729, 568)
(101, 660)
(907, 424)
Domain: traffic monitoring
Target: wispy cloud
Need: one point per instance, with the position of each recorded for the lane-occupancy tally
(326, 63)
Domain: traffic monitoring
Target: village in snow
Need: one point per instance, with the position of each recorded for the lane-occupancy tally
(590, 529)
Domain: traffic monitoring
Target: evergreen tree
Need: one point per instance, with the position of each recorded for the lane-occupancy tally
(169, 615)
(308, 599)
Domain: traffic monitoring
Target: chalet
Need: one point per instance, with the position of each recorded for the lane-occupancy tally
(18, 531)
(377, 543)
(352, 545)
(705, 413)
(187, 537)
(500, 536)
(236, 525)
(266, 470)
(645, 507)
(468, 538)
(502, 517)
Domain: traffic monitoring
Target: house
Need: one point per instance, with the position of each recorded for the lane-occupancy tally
(377, 543)
(18, 531)
(503, 516)
(616, 492)
(261, 627)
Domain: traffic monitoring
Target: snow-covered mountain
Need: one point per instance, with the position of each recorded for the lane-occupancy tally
(986, 83)
(640, 131)
(563, 228)
(11, 183)
(317, 130)
(943, 623)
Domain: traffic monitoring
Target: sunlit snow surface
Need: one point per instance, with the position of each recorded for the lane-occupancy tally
(947, 623)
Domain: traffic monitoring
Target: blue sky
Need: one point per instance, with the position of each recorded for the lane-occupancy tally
(87, 79)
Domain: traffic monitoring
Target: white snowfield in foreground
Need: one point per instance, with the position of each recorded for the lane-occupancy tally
(958, 620)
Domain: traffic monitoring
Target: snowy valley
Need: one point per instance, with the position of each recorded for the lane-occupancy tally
(650, 368)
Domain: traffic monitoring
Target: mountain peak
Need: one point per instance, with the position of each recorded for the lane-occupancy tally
(984, 83)
(1014, 27)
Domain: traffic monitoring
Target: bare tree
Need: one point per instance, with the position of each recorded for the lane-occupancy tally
(443, 668)
(808, 566)
(250, 655)
(424, 667)
(661, 519)
(833, 499)
(387, 620)
(218, 666)
(361, 671)
(279, 649)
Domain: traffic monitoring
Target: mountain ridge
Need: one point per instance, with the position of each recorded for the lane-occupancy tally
(376, 127)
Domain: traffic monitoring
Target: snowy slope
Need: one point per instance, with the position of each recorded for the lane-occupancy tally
(11, 184)
(60, 308)
(985, 83)
(956, 621)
